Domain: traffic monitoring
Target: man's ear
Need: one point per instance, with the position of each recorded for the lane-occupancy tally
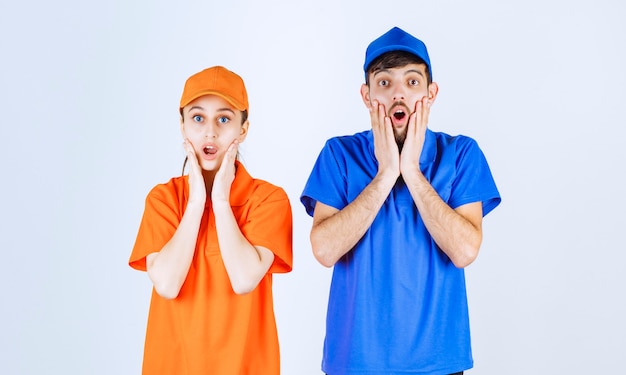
(365, 95)
(433, 90)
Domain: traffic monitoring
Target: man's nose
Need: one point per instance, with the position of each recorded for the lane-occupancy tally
(398, 93)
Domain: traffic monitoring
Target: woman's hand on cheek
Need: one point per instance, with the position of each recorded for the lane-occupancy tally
(225, 175)
(197, 189)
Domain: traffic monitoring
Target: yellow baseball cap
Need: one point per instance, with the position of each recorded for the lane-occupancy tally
(219, 81)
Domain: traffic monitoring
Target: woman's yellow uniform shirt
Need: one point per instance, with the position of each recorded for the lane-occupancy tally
(208, 329)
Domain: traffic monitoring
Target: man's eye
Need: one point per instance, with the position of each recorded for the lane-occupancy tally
(223, 119)
(197, 118)
(383, 82)
(413, 82)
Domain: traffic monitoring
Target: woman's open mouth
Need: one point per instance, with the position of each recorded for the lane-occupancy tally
(209, 150)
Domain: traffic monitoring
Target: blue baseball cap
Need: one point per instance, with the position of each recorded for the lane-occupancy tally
(396, 39)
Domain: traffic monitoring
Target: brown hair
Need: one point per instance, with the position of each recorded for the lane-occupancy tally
(395, 59)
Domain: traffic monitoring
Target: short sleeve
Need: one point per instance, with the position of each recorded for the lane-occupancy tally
(160, 219)
(326, 182)
(269, 224)
(474, 181)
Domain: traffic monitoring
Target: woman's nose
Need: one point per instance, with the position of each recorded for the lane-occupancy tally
(210, 131)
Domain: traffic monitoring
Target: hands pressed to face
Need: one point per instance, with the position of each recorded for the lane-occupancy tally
(398, 149)
(225, 174)
(212, 130)
(197, 188)
(223, 179)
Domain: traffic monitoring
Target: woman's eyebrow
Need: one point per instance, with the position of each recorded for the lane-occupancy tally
(195, 107)
(218, 110)
(226, 109)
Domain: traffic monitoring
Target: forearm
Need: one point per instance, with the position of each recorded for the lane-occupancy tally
(456, 235)
(335, 233)
(168, 268)
(245, 264)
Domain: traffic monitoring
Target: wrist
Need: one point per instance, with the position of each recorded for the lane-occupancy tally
(194, 207)
(413, 176)
(220, 203)
(385, 179)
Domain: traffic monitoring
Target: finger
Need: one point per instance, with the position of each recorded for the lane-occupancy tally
(382, 116)
(192, 158)
(384, 122)
(187, 147)
(229, 157)
(375, 118)
(418, 116)
(425, 110)
(374, 114)
(231, 153)
(411, 126)
(373, 106)
(388, 127)
(190, 152)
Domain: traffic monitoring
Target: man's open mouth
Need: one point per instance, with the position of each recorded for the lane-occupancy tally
(399, 114)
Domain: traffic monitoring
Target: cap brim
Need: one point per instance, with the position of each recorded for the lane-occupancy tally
(238, 105)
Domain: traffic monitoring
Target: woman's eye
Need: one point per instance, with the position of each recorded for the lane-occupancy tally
(197, 118)
(223, 119)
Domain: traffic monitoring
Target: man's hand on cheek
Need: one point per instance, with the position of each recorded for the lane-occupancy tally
(416, 133)
(385, 147)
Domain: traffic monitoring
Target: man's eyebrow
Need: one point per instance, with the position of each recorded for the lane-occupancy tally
(406, 73)
(380, 71)
(414, 71)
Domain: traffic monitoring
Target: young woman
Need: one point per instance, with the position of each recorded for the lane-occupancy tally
(210, 242)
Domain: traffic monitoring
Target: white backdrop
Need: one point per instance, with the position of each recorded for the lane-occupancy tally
(88, 104)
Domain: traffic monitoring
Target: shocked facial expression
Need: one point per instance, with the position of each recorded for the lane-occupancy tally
(398, 90)
(212, 124)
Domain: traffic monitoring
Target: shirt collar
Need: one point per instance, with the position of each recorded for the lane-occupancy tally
(242, 187)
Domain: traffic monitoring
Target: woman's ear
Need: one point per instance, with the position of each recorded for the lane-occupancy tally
(243, 132)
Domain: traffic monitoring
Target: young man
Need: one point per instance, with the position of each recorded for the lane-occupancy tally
(397, 211)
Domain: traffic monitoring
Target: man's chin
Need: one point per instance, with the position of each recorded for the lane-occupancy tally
(399, 124)
(400, 138)
(400, 131)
